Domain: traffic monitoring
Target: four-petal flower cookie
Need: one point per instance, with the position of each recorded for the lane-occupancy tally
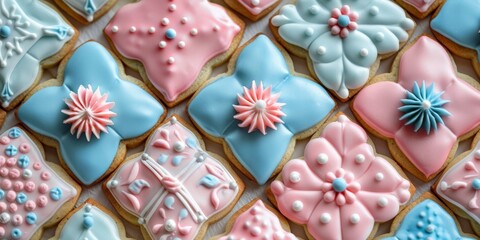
(32, 36)
(343, 40)
(259, 108)
(342, 188)
(423, 110)
(93, 115)
(174, 44)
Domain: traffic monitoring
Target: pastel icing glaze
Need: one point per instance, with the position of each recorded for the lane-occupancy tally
(86, 8)
(464, 28)
(427, 220)
(421, 5)
(91, 223)
(212, 107)
(30, 32)
(91, 65)
(173, 40)
(378, 105)
(258, 223)
(460, 184)
(30, 191)
(256, 7)
(174, 187)
(341, 189)
(342, 60)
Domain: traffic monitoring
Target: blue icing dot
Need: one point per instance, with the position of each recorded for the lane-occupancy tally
(31, 218)
(162, 158)
(177, 160)
(56, 194)
(16, 233)
(2, 194)
(191, 142)
(183, 214)
(339, 185)
(170, 33)
(11, 151)
(21, 198)
(169, 201)
(87, 222)
(343, 20)
(23, 161)
(14, 133)
(5, 31)
(476, 184)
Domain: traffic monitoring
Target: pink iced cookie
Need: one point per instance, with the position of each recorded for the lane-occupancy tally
(174, 188)
(253, 9)
(174, 44)
(342, 189)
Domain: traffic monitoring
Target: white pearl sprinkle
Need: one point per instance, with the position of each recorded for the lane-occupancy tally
(27, 173)
(193, 32)
(151, 30)
(294, 177)
(184, 20)
(325, 218)
(172, 7)
(181, 44)
(430, 228)
(309, 32)
(355, 218)
(359, 158)
(162, 44)
(171, 60)
(322, 158)
(297, 206)
(256, 231)
(321, 50)
(379, 177)
(477, 154)
(374, 11)
(165, 21)
(115, 29)
(133, 29)
(216, 28)
(363, 52)
(255, 2)
(247, 225)
(382, 202)
(379, 36)
(113, 183)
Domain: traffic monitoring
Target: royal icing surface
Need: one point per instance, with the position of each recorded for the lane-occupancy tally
(341, 188)
(47, 112)
(463, 28)
(86, 8)
(30, 191)
(258, 223)
(213, 109)
(172, 39)
(30, 32)
(381, 106)
(343, 38)
(460, 185)
(421, 5)
(427, 220)
(256, 7)
(90, 223)
(174, 186)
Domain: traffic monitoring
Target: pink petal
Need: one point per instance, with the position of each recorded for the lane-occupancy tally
(359, 230)
(340, 200)
(336, 12)
(390, 179)
(335, 30)
(307, 179)
(332, 21)
(345, 10)
(352, 26)
(358, 159)
(313, 151)
(330, 230)
(344, 33)
(370, 201)
(426, 61)
(464, 107)
(329, 196)
(377, 105)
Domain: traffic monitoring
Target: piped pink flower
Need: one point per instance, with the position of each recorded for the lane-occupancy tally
(89, 112)
(342, 21)
(258, 108)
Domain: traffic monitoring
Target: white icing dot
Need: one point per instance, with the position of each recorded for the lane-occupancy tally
(170, 225)
(430, 228)
(178, 145)
(419, 224)
(172, 7)
(297, 206)
(171, 60)
(420, 235)
(193, 32)
(309, 32)
(151, 30)
(133, 29)
(247, 225)
(314, 10)
(256, 231)
(443, 186)
(184, 20)
(216, 28)
(429, 238)
(165, 21)
(115, 29)
(426, 104)
(379, 36)
(27, 173)
(322, 158)
(162, 44)
(113, 183)
(255, 2)
(363, 52)
(294, 177)
(359, 158)
(325, 218)
(181, 44)
(382, 202)
(379, 177)
(321, 50)
(257, 218)
(374, 10)
(355, 218)
(477, 154)
(4, 218)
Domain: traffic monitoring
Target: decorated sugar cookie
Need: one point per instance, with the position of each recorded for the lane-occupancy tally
(420, 8)
(86, 11)
(91, 113)
(90, 221)
(460, 184)
(426, 218)
(257, 109)
(342, 189)
(32, 36)
(457, 25)
(174, 44)
(34, 194)
(253, 9)
(423, 108)
(174, 189)
(256, 221)
(342, 40)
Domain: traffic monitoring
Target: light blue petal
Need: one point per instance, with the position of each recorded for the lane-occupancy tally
(88, 161)
(42, 112)
(389, 42)
(259, 154)
(304, 110)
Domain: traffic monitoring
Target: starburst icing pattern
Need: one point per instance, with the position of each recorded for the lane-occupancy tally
(258, 108)
(89, 112)
(423, 108)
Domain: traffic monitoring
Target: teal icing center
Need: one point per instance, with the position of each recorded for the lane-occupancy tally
(343, 21)
(476, 184)
(339, 185)
(5, 31)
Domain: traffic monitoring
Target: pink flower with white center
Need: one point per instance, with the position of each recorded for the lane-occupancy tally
(89, 112)
(258, 108)
(340, 187)
(342, 21)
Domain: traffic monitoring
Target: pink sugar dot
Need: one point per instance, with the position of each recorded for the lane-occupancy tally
(11, 195)
(12, 208)
(6, 184)
(18, 186)
(42, 201)
(3, 206)
(2, 161)
(30, 205)
(29, 186)
(4, 140)
(37, 166)
(24, 148)
(45, 176)
(17, 220)
(11, 162)
(14, 173)
(43, 188)
(4, 172)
